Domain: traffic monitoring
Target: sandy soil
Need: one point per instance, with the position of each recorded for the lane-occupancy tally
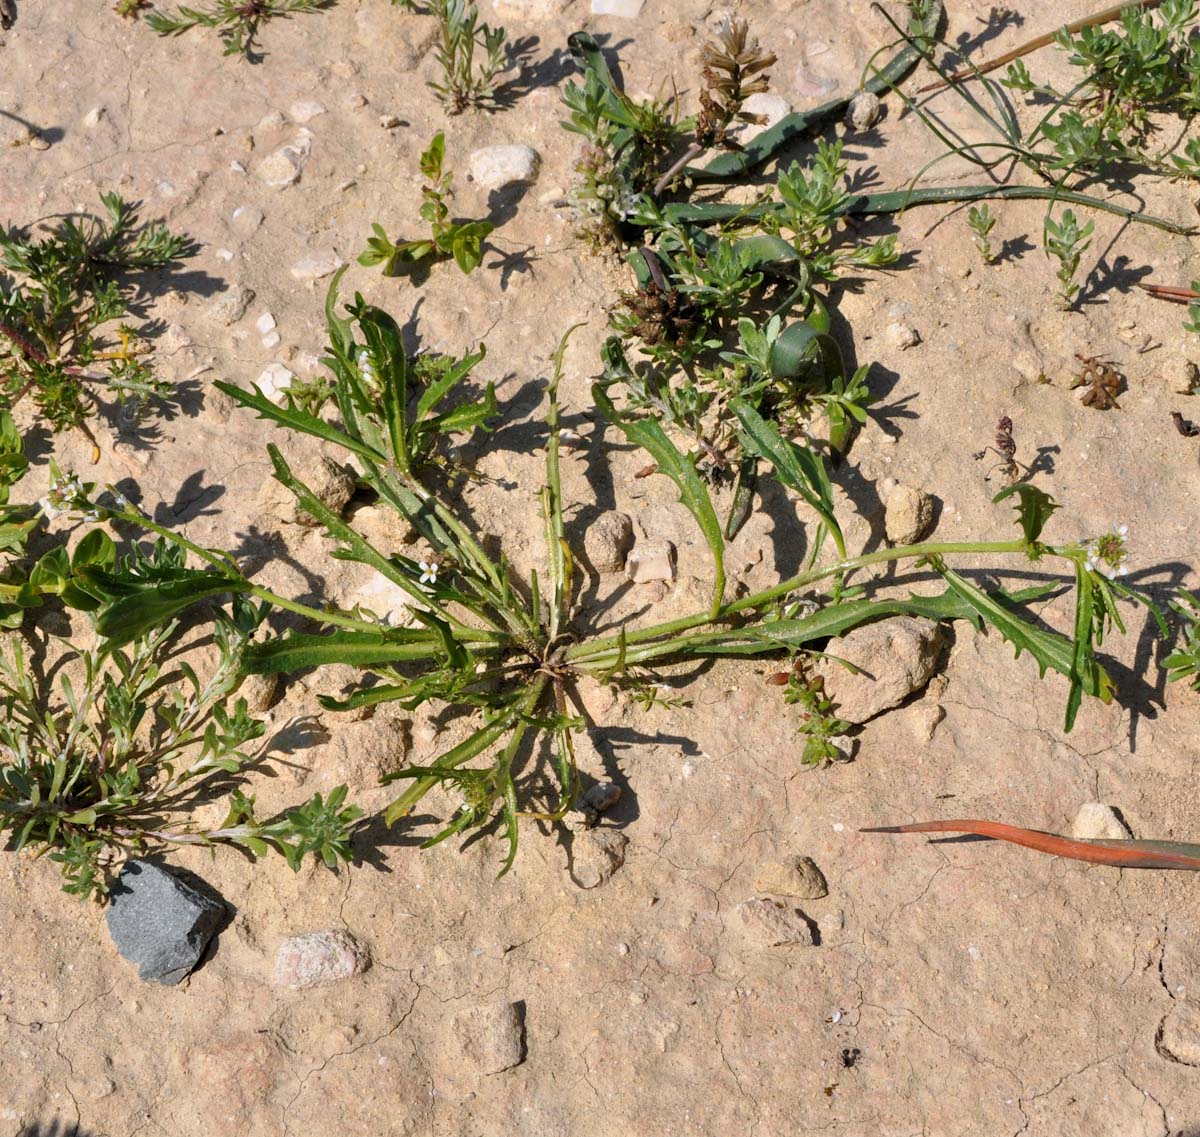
(976, 989)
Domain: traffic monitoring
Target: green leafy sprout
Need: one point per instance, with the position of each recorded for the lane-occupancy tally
(460, 35)
(460, 240)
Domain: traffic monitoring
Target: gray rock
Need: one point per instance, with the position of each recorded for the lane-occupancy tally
(259, 692)
(231, 307)
(332, 485)
(306, 110)
(160, 923)
(283, 167)
(597, 854)
(903, 336)
(1096, 821)
(324, 262)
(792, 876)
(864, 111)
(1180, 372)
(607, 541)
(491, 1036)
(1179, 1034)
(772, 924)
(908, 515)
(651, 560)
(894, 658)
(770, 108)
(320, 958)
(495, 167)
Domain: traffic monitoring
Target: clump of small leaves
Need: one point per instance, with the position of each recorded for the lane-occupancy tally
(238, 22)
(68, 285)
(461, 240)
(130, 9)
(114, 761)
(1066, 241)
(461, 34)
(982, 221)
(1184, 662)
(819, 725)
(509, 651)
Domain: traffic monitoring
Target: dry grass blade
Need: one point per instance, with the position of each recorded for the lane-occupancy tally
(1120, 854)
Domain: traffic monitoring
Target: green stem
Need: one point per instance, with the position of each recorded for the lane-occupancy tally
(599, 650)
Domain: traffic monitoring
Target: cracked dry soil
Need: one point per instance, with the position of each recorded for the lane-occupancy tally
(981, 990)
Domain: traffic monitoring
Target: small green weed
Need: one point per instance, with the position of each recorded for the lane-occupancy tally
(461, 240)
(238, 21)
(461, 34)
(69, 284)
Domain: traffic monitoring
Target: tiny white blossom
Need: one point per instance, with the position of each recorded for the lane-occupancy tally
(429, 571)
(49, 510)
(1107, 554)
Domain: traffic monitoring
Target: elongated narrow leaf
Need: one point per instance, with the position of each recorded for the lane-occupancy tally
(837, 619)
(681, 469)
(1121, 854)
(359, 649)
(153, 605)
(1049, 649)
(444, 384)
(297, 420)
(799, 468)
(385, 348)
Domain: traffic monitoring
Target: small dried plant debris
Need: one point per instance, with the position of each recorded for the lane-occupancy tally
(67, 285)
(463, 84)
(130, 9)
(1102, 383)
(237, 21)
(735, 67)
(1005, 446)
(1185, 426)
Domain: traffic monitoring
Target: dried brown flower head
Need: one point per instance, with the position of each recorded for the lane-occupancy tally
(730, 65)
(1102, 380)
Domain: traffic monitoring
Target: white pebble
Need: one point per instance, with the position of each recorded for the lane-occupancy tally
(264, 324)
(625, 9)
(306, 111)
(316, 265)
(274, 380)
(495, 167)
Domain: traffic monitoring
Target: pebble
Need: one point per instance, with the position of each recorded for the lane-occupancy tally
(274, 380)
(160, 923)
(1179, 1035)
(265, 323)
(651, 560)
(491, 1036)
(894, 657)
(259, 691)
(792, 876)
(354, 100)
(903, 336)
(625, 9)
(332, 484)
(245, 220)
(607, 541)
(772, 924)
(316, 265)
(93, 117)
(596, 855)
(908, 515)
(1180, 372)
(272, 120)
(771, 108)
(270, 340)
(1097, 821)
(602, 796)
(320, 958)
(864, 111)
(283, 167)
(231, 307)
(496, 167)
(306, 111)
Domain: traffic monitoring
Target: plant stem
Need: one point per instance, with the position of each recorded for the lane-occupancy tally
(596, 651)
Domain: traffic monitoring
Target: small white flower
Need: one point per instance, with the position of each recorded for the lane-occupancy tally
(50, 511)
(1107, 554)
(429, 571)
